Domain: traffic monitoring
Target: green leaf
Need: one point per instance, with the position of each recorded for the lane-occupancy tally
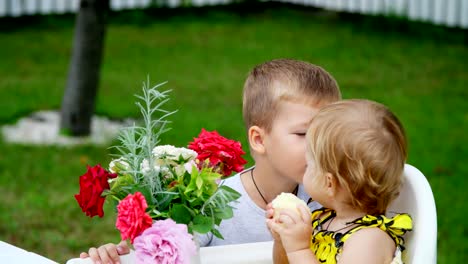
(199, 182)
(233, 194)
(155, 214)
(165, 199)
(145, 192)
(202, 224)
(106, 192)
(226, 213)
(192, 186)
(122, 180)
(217, 234)
(218, 221)
(181, 214)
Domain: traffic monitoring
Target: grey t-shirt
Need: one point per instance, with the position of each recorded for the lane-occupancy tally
(248, 223)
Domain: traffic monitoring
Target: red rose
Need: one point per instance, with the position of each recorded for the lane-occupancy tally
(131, 217)
(222, 153)
(92, 184)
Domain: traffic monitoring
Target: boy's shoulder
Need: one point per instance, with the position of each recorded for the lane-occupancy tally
(232, 179)
(235, 180)
(302, 194)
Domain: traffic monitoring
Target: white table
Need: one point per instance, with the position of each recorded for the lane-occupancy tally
(15, 255)
(258, 253)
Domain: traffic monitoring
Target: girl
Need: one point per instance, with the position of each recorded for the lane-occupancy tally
(356, 150)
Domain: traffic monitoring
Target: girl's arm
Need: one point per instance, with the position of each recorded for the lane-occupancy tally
(302, 256)
(279, 254)
(294, 232)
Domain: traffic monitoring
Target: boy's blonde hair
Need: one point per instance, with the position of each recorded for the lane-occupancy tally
(284, 79)
(363, 145)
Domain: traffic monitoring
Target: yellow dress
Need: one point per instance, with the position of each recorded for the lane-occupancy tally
(327, 245)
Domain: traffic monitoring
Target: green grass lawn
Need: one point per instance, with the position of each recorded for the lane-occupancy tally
(418, 70)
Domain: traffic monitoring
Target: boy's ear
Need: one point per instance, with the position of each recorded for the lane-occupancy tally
(256, 137)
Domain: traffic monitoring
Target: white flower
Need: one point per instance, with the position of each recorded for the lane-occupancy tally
(168, 156)
(172, 153)
(144, 167)
(189, 166)
(117, 165)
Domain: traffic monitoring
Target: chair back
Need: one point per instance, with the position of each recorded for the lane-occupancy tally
(417, 200)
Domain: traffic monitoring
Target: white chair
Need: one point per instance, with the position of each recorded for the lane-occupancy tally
(417, 200)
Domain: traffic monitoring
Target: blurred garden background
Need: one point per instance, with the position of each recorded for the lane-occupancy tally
(419, 70)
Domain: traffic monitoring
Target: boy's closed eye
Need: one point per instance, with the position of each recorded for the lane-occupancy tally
(300, 134)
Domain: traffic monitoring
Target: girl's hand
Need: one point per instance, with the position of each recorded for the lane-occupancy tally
(108, 253)
(294, 229)
(269, 211)
(269, 218)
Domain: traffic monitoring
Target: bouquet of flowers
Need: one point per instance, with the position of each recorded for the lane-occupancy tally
(164, 194)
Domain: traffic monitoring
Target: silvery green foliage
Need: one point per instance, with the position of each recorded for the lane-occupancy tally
(138, 141)
(144, 166)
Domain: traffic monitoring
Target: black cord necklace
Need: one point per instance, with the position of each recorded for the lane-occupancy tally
(258, 190)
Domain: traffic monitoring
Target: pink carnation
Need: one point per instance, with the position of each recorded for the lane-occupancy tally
(166, 243)
(131, 216)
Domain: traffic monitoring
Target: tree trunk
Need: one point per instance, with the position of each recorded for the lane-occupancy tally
(78, 102)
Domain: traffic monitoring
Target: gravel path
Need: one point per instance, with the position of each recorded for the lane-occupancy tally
(41, 128)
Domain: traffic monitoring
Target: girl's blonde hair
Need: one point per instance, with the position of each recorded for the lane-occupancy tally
(363, 145)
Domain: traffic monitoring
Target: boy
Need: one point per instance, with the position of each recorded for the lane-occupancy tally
(279, 100)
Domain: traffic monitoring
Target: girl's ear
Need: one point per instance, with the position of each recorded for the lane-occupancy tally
(256, 137)
(331, 184)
